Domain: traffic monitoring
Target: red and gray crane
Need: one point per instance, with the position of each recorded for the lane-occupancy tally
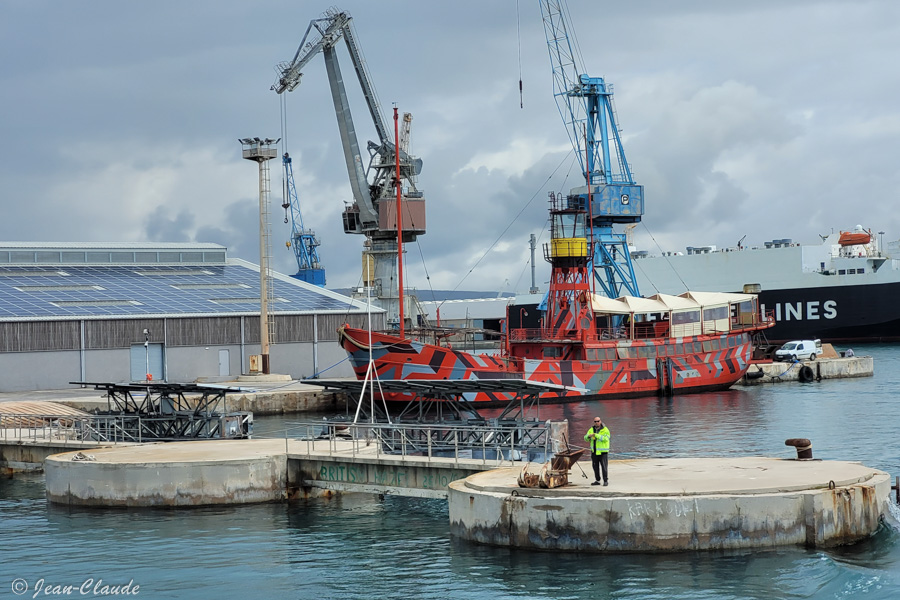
(374, 209)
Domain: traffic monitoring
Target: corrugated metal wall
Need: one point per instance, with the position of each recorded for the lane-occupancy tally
(121, 333)
(199, 331)
(35, 336)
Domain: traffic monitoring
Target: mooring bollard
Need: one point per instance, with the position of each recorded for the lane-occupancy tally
(803, 445)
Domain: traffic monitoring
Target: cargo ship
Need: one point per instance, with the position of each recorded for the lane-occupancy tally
(844, 289)
(599, 346)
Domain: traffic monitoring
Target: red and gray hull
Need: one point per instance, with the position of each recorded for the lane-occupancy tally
(715, 368)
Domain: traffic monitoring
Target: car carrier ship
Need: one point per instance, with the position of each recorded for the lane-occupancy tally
(841, 290)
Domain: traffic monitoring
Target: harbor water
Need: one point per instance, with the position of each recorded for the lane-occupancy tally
(361, 546)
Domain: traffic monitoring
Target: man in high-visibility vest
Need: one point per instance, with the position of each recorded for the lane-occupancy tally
(598, 437)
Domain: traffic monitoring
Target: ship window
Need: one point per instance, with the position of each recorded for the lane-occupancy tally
(626, 353)
(842, 272)
(714, 314)
(682, 318)
(591, 353)
(851, 271)
(714, 344)
(552, 352)
(698, 347)
(661, 351)
(707, 346)
(860, 271)
(732, 341)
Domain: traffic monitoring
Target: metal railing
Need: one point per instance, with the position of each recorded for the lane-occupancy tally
(64, 428)
(500, 442)
(112, 429)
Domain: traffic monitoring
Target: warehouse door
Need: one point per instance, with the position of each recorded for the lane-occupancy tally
(141, 356)
(224, 363)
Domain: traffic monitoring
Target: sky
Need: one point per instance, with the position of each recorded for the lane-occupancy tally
(766, 119)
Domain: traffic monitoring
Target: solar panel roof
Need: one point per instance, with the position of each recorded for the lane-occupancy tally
(80, 291)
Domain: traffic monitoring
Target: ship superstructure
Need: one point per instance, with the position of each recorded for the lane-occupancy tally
(843, 289)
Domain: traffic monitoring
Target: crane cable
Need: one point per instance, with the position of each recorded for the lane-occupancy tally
(519, 43)
(544, 229)
(503, 233)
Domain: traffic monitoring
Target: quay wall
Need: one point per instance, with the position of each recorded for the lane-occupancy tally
(239, 479)
(24, 456)
(310, 476)
(612, 523)
(829, 368)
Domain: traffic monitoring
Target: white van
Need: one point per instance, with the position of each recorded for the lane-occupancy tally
(799, 350)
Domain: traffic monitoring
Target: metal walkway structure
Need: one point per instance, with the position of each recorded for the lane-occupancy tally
(167, 412)
(437, 400)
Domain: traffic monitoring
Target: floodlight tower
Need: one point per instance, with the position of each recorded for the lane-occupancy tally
(261, 152)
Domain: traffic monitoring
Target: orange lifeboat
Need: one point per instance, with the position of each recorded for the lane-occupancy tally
(854, 238)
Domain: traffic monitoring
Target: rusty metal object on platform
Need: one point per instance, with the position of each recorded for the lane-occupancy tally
(528, 479)
(553, 474)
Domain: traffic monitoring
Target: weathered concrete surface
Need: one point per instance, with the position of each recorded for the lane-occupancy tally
(287, 401)
(25, 455)
(415, 476)
(825, 368)
(171, 474)
(677, 504)
(245, 471)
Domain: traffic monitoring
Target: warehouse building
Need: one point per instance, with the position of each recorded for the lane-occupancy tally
(105, 312)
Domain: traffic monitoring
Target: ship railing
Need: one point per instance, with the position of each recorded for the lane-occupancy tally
(526, 334)
(752, 321)
(495, 441)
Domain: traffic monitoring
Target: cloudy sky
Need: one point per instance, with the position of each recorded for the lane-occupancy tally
(770, 119)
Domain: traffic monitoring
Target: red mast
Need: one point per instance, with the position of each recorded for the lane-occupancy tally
(399, 219)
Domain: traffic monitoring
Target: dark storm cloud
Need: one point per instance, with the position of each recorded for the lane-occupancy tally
(772, 119)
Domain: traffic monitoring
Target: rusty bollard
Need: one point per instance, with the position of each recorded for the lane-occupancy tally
(803, 445)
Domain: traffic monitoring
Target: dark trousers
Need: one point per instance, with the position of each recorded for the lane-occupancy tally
(600, 461)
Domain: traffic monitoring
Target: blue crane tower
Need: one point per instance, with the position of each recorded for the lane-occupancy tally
(303, 241)
(610, 194)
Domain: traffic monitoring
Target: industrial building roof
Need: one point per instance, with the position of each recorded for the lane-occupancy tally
(90, 281)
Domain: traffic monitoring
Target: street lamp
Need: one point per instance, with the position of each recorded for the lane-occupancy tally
(522, 314)
(147, 355)
(261, 151)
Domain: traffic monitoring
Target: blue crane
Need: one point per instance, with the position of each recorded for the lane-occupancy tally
(586, 106)
(303, 241)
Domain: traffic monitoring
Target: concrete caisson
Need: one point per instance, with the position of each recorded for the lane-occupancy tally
(175, 474)
(677, 504)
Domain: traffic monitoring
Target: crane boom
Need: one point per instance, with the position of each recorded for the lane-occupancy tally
(374, 210)
(586, 106)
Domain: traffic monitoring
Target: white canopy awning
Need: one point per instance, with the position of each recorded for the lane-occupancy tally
(717, 298)
(677, 302)
(644, 305)
(609, 306)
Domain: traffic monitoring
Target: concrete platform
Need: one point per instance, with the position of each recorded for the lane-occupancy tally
(202, 473)
(669, 505)
(817, 370)
(170, 474)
